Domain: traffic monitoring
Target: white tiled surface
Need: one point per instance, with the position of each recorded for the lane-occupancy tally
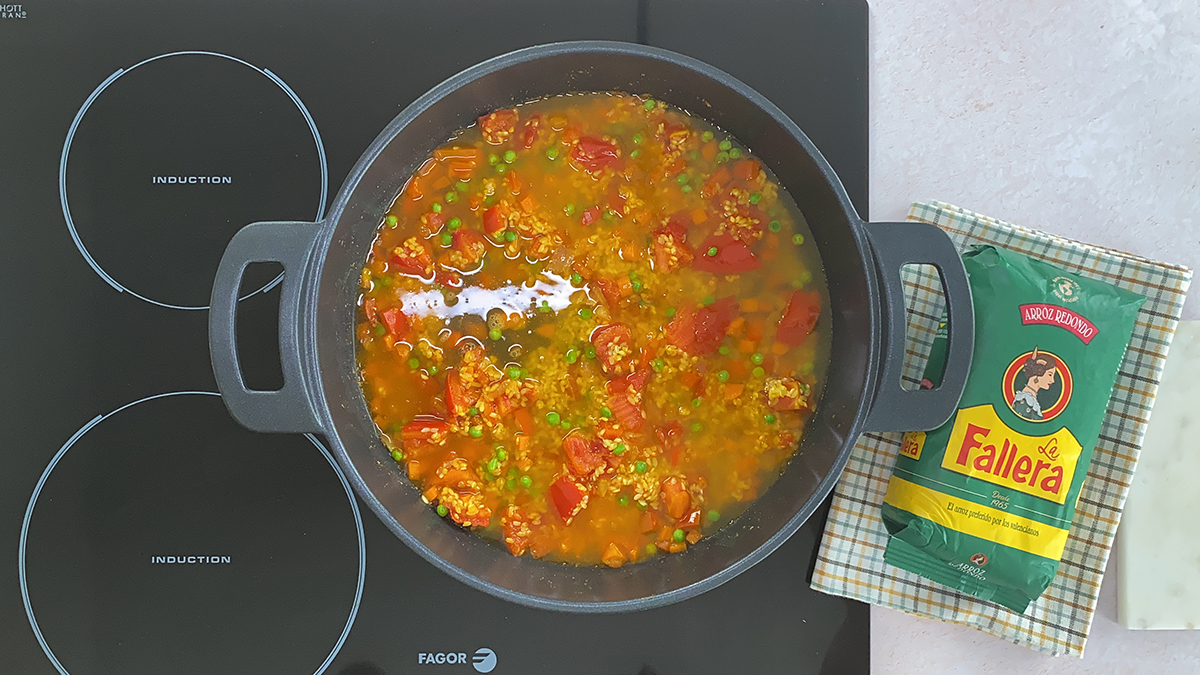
(1081, 118)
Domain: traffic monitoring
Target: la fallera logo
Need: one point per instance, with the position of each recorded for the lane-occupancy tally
(1037, 386)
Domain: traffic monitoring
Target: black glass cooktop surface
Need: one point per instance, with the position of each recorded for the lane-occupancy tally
(141, 529)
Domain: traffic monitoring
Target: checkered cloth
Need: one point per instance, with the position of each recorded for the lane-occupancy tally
(850, 561)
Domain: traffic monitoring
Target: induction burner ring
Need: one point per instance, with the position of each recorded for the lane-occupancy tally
(362, 546)
(62, 169)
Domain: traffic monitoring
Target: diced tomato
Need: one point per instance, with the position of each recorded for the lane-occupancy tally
(747, 169)
(425, 430)
(493, 220)
(590, 215)
(700, 331)
(459, 398)
(448, 278)
(671, 437)
(412, 259)
(784, 393)
(675, 497)
(799, 318)
(471, 244)
(568, 497)
(731, 256)
(670, 252)
(513, 182)
(369, 310)
(648, 522)
(583, 456)
(625, 400)
(715, 183)
(616, 204)
(689, 521)
(498, 126)
(529, 135)
(614, 347)
(524, 420)
(481, 518)
(594, 154)
(516, 530)
(396, 322)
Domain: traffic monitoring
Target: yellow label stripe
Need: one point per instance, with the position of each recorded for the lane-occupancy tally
(970, 518)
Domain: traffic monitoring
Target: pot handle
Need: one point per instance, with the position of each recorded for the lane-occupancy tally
(287, 409)
(895, 408)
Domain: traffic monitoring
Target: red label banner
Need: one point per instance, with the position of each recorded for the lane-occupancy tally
(1053, 315)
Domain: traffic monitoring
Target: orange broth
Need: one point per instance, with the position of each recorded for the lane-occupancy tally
(591, 328)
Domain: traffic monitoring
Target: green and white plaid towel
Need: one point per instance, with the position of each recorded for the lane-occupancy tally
(850, 561)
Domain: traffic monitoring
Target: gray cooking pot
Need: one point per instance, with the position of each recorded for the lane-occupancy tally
(323, 262)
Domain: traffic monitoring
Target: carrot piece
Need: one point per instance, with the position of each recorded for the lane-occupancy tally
(772, 240)
(699, 216)
(747, 169)
(754, 330)
(733, 391)
(461, 168)
(524, 419)
(750, 305)
(546, 330)
(441, 183)
(528, 204)
(746, 346)
(709, 151)
(736, 326)
(779, 349)
(689, 379)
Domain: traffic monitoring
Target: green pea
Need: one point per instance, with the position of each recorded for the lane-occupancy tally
(682, 179)
(797, 239)
(553, 418)
(571, 356)
(623, 501)
(447, 239)
(651, 549)
(806, 368)
(510, 236)
(649, 104)
(576, 279)
(509, 156)
(552, 154)
(637, 286)
(805, 277)
(708, 300)
(723, 376)
(569, 209)
(379, 329)
(641, 467)
(686, 189)
(585, 314)
(510, 484)
(414, 363)
(723, 350)
(722, 157)
(589, 352)
(398, 456)
(501, 168)
(635, 154)
(514, 373)
(734, 153)
(442, 510)
(451, 197)
(433, 370)
(392, 221)
(475, 432)
(769, 418)
(526, 481)
(712, 251)
(775, 226)
(463, 185)
(669, 312)
(678, 535)
(756, 358)
(658, 365)
(472, 411)
(706, 136)
(435, 207)
(714, 514)
(755, 198)
(696, 402)
(620, 448)
(495, 334)
(607, 215)
(696, 427)
(758, 371)
(605, 412)
(454, 223)
(502, 455)
(565, 424)
(492, 159)
(493, 466)
(725, 144)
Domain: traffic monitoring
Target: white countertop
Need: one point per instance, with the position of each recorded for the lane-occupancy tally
(1078, 117)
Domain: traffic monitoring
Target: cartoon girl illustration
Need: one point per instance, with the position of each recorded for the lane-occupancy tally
(1039, 369)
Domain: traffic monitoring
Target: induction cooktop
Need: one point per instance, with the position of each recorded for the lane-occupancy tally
(142, 530)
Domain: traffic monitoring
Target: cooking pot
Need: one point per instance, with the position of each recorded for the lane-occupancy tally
(323, 263)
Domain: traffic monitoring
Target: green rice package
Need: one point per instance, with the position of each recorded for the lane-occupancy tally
(984, 503)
